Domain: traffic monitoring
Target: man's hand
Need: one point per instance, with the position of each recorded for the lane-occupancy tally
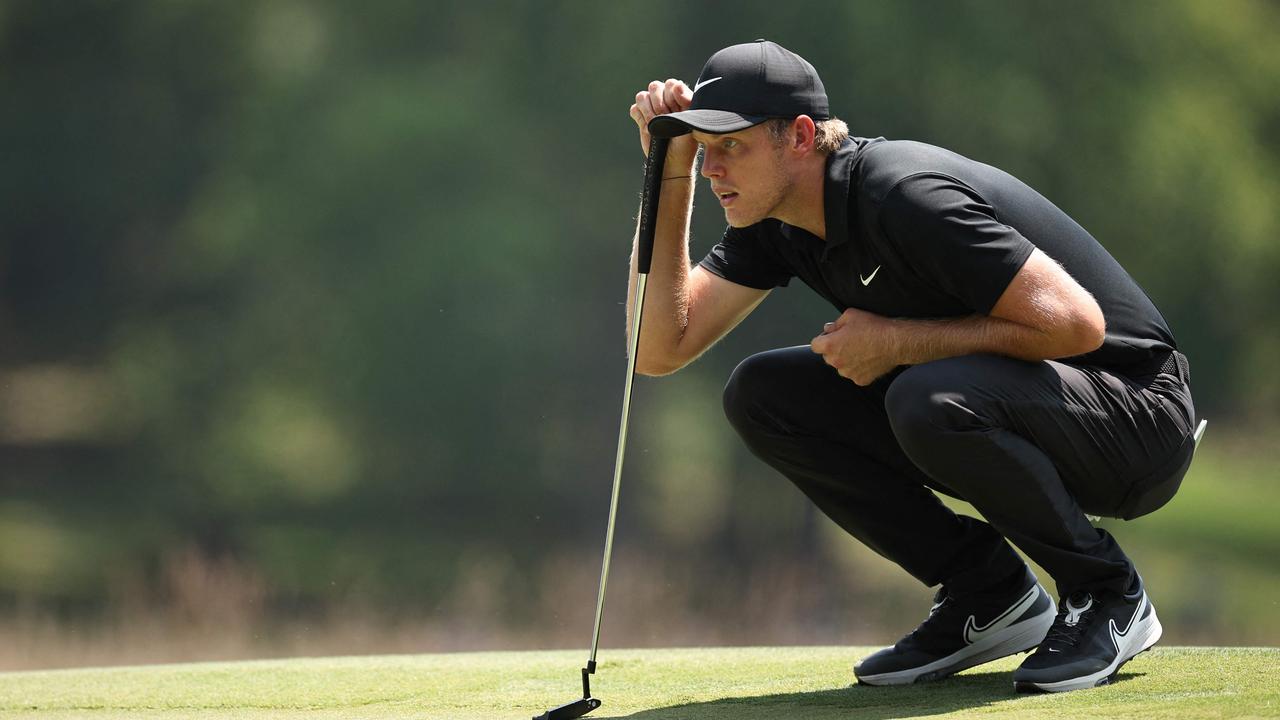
(660, 99)
(857, 345)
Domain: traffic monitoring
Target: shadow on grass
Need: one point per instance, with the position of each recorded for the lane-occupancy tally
(860, 702)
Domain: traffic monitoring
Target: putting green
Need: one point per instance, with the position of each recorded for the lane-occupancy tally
(684, 684)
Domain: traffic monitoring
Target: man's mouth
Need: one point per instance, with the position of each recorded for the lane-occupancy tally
(726, 197)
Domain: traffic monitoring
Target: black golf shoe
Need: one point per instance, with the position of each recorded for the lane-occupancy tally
(963, 631)
(1093, 635)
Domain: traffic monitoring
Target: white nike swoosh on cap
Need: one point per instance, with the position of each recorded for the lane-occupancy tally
(705, 83)
(973, 633)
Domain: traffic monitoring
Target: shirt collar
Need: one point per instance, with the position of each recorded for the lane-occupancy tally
(835, 193)
(835, 196)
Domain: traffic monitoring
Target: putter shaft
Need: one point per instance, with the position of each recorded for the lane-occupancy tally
(632, 342)
(644, 256)
(649, 196)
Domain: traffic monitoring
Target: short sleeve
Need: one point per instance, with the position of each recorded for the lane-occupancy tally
(951, 236)
(744, 256)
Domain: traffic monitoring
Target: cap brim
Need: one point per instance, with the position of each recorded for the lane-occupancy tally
(708, 121)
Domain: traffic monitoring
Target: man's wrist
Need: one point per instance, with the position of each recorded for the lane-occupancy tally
(681, 156)
(915, 341)
(678, 168)
(892, 330)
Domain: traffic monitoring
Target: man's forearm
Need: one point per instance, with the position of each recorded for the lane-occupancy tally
(1033, 320)
(914, 342)
(666, 295)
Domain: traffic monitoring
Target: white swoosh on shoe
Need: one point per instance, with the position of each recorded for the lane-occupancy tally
(1116, 634)
(973, 633)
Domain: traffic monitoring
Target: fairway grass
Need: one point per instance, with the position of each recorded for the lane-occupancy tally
(692, 684)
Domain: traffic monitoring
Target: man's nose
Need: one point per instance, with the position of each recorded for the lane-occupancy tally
(710, 166)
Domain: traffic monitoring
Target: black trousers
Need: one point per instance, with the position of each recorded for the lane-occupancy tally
(1034, 446)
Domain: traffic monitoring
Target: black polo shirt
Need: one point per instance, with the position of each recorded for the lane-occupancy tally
(916, 231)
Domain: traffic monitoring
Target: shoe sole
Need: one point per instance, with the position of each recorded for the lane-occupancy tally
(1017, 638)
(1145, 635)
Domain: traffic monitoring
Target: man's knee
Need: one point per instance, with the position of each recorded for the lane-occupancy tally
(746, 390)
(929, 402)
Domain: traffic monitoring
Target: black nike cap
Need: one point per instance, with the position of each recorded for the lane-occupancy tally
(744, 85)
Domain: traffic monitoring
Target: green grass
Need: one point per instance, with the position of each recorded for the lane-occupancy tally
(693, 684)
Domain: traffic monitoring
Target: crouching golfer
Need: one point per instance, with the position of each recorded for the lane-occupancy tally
(987, 347)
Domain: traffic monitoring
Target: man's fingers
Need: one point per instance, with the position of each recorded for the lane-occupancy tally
(637, 114)
(659, 99)
(828, 327)
(656, 101)
(677, 95)
(684, 96)
(644, 107)
(819, 346)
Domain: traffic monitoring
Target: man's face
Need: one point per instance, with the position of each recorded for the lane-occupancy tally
(747, 173)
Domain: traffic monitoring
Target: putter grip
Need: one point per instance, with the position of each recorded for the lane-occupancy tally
(649, 202)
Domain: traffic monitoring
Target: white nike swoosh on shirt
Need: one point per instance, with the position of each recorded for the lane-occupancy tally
(705, 83)
(867, 280)
(973, 633)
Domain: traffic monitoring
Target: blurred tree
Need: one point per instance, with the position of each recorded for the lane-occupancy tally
(335, 291)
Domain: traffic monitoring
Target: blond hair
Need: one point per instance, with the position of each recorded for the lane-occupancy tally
(828, 135)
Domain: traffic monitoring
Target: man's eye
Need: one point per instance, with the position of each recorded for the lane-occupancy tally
(730, 143)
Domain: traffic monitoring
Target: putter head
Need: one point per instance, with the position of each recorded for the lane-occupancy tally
(575, 709)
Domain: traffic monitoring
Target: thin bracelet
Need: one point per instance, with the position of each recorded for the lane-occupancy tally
(677, 177)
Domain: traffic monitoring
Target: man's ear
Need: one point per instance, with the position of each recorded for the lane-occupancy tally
(803, 132)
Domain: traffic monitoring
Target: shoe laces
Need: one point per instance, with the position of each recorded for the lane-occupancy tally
(1074, 615)
(942, 604)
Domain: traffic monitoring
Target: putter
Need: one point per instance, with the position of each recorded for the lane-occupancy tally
(644, 256)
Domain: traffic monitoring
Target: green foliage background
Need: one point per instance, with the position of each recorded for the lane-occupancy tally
(333, 291)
